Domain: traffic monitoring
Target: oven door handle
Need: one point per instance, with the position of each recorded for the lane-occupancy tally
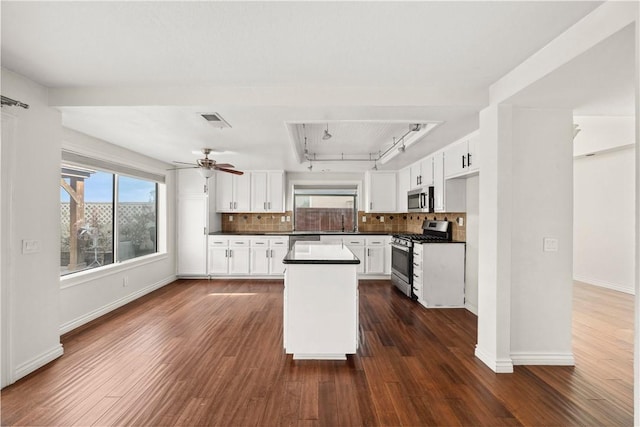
(402, 248)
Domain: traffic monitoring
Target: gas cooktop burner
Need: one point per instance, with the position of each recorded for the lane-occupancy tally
(432, 232)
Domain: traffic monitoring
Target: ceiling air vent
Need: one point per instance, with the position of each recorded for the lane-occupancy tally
(215, 120)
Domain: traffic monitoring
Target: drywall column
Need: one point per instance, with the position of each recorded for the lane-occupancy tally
(494, 249)
(636, 352)
(542, 210)
(31, 213)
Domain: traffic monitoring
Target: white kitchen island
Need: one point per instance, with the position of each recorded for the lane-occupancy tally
(320, 301)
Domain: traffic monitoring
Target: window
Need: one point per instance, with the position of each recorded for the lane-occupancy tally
(324, 209)
(95, 206)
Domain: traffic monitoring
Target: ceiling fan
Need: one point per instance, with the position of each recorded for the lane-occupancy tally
(208, 166)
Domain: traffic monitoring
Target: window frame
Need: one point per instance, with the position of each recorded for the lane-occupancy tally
(327, 191)
(112, 169)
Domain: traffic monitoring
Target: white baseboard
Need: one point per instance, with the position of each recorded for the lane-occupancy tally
(79, 321)
(37, 362)
(471, 308)
(499, 366)
(604, 284)
(542, 358)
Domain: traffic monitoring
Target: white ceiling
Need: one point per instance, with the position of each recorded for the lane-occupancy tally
(138, 73)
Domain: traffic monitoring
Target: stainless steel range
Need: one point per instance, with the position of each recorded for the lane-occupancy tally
(402, 252)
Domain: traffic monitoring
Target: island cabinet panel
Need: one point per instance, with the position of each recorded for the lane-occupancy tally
(320, 311)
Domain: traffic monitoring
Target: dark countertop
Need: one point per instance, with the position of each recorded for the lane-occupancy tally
(320, 253)
(299, 233)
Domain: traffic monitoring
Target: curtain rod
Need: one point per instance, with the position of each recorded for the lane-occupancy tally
(13, 103)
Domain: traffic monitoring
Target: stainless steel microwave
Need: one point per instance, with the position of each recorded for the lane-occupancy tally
(420, 200)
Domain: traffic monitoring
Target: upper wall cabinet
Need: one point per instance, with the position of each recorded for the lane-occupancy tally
(404, 185)
(233, 192)
(461, 158)
(380, 191)
(267, 191)
(422, 173)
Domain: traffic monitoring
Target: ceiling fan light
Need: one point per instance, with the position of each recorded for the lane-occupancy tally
(206, 172)
(326, 135)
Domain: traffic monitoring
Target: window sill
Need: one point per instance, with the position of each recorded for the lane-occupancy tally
(82, 277)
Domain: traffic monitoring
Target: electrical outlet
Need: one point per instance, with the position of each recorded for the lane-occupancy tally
(364, 219)
(381, 219)
(230, 218)
(460, 221)
(550, 244)
(30, 246)
(282, 219)
(288, 218)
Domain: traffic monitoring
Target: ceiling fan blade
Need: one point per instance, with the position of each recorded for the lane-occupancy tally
(184, 167)
(183, 163)
(225, 165)
(229, 170)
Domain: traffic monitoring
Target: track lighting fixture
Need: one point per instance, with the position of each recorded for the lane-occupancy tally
(326, 135)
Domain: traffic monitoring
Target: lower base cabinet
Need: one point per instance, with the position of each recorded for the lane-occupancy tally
(246, 255)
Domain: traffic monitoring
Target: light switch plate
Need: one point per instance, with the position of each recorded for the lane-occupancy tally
(381, 219)
(30, 246)
(550, 244)
(282, 219)
(230, 218)
(364, 219)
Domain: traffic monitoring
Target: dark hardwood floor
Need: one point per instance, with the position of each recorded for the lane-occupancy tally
(210, 353)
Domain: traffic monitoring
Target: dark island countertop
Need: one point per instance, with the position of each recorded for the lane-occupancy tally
(320, 253)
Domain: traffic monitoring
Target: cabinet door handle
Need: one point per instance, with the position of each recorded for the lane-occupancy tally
(226, 253)
(235, 205)
(370, 205)
(469, 160)
(463, 159)
(230, 205)
(230, 253)
(264, 206)
(269, 205)
(267, 253)
(368, 252)
(271, 253)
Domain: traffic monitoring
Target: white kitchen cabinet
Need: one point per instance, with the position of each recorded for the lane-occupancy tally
(438, 182)
(357, 245)
(278, 249)
(259, 256)
(233, 192)
(267, 255)
(192, 211)
(381, 191)
(450, 195)
(417, 273)
(267, 191)
(422, 173)
(443, 274)
(192, 235)
(404, 185)
(376, 255)
(228, 255)
(461, 157)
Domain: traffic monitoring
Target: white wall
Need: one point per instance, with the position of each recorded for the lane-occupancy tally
(87, 295)
(604, 203)
(31, 210)
(471, 269)
(541, 282)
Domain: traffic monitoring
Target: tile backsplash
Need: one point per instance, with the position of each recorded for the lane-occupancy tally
(384, 223)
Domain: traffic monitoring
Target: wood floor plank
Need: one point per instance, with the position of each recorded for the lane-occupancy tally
(210, 353)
